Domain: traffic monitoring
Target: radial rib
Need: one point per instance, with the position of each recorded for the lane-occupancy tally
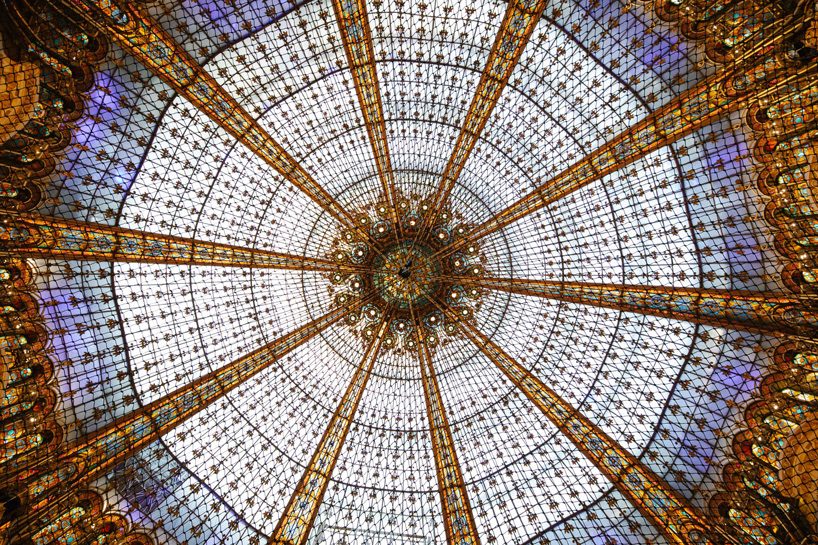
(294, 526)
(458, 517)
(518, 24)
(680, 117)
(355, 32)
(98, 453)
(35, 236)
(665, 508)
(735, 309)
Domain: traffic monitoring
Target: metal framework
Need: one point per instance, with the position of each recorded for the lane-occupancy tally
(354, 26)
(99, 452)
(735, 309)
(149, 43)
(518, 24)
(35, 236)
(665, 508)
(692, 110)
(294, 526)
(458, 518)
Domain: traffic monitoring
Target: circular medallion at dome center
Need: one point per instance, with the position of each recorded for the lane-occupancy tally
(406, 274)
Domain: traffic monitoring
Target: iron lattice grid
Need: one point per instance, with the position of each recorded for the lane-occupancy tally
(129, 333)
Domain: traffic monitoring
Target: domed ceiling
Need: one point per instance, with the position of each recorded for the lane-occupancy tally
(667, 390)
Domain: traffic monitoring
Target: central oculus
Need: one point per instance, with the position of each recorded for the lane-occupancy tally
(406, 274)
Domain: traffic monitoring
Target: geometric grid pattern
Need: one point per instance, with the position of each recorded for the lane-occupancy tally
(685, 215)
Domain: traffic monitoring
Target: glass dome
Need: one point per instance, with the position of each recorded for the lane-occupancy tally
(461, 390)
